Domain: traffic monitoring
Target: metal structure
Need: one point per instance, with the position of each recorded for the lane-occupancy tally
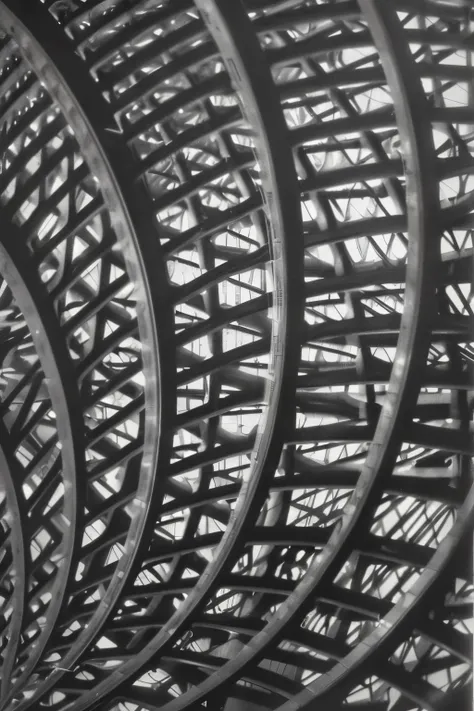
(235, 324)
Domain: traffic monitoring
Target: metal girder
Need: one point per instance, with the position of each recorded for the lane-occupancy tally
(235, 354)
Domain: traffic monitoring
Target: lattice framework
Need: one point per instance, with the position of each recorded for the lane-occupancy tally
(235, 298)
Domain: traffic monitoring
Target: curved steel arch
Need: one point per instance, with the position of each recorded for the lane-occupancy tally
(59, 375)
(93, 129)
(307, 169)
(13, 517)
(414, 329)
(279, 184)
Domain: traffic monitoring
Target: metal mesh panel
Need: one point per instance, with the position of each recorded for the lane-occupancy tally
(236, 355)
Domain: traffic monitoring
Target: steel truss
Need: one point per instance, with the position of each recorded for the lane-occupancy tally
(235, 355)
